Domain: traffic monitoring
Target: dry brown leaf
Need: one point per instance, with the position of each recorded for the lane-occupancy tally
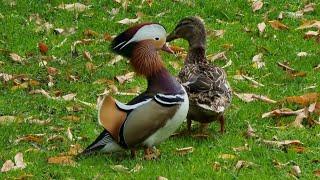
(251, 79)
(317, 67)
(285, 143)
(303, 100)
(300, 117)
(219, 55)
(258, 61)
(257, 5)
(250, 133)
(317, 172)
(249, 97)
(38, 138)
(310, 24)
(161, 178)
(285, 66)
(216, 166)
(243, 164)
(87, 55)
(38, 121)
(116, 59)
(89, 33)
(5, 77)
(18, 159)
(309, 8)
(69, 97)
(261, 27)
(296, 171)
(136, 168)
(227, 156)
(311, 34)
(66, 160)
(69, 134)
(7, 166)
(52, 71)
(281, 112)
(90, 66)
(120, 168)
(7, 119)
(71, 118)
(302, 54)
(16, 58)
(127, 77)
(43, 48)
(216, 33)
(78, 7)
(241, 148)
(56, 138)
(184, 151)
(275, 24)
(149, 2)
(128, 21)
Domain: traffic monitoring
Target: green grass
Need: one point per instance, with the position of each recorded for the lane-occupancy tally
(17, 34)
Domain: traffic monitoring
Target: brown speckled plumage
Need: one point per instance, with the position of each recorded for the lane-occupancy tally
(206, 84)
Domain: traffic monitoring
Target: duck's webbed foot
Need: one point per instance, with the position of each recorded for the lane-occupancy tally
(151, 153)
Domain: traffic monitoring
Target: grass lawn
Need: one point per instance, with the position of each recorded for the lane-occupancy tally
(23, 24)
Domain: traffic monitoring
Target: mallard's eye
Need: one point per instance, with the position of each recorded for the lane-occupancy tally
(156, 38)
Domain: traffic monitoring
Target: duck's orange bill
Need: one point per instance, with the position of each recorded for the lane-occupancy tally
(166, 48)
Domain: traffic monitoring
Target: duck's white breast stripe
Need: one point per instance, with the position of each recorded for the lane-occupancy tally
(130, 107)
(170, 96)
(166, 102)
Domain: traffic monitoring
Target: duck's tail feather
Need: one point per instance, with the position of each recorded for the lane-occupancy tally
(103, 139)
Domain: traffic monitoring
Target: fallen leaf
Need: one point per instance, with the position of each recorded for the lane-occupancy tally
(136, 168)
(317, 172)
(58, 30)
(261, 27)
(52, 71)
(281, 144)
(184, 151)
(243, 164)
(303, 100)
(69, 97)
(38, 121)
(249, 97)
(257, 5)
(250, 79)
(7, 166)
(295, 15)
(116, 59)
(71, 118)
(120, 168)
(90, 66)
(16, 58)
(296, 171)
(302, 54)
(56, 138)
(77, 7)
(7, 119)
(103, 81)
(309, 8)
(241, 148)
(43, 48)
(226, 156)
(257, 61)
(219, 55)
(161, 178)
(285, 66)
(38, 138)
(280, 165)
(280, 16)
(216, 33)
(317, 67)
(66, 160)
(5, 77)
(123, 78)
(281, 112)
(216, 166)
(107, 37)
(310, 24)
(275, 24)
(128, 21)
(88, 33)
(69, 134)
(297, 122)
(149, 2)
(87, 55)
(18, 159)
(311, 34)
(250, 133)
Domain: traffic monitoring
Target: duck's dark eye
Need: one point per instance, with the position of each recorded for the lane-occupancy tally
(156, 38)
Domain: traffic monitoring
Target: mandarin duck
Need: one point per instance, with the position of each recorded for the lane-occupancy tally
(207, 86)
(154, 115)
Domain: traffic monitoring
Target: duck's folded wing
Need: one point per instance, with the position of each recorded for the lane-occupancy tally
(148, 118)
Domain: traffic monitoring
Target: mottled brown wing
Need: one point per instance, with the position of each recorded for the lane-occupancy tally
(146, 120)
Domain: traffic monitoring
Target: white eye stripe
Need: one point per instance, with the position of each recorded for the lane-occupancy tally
(151, 31)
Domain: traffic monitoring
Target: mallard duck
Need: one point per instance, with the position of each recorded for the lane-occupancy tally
(206, 84)
(154, 115)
